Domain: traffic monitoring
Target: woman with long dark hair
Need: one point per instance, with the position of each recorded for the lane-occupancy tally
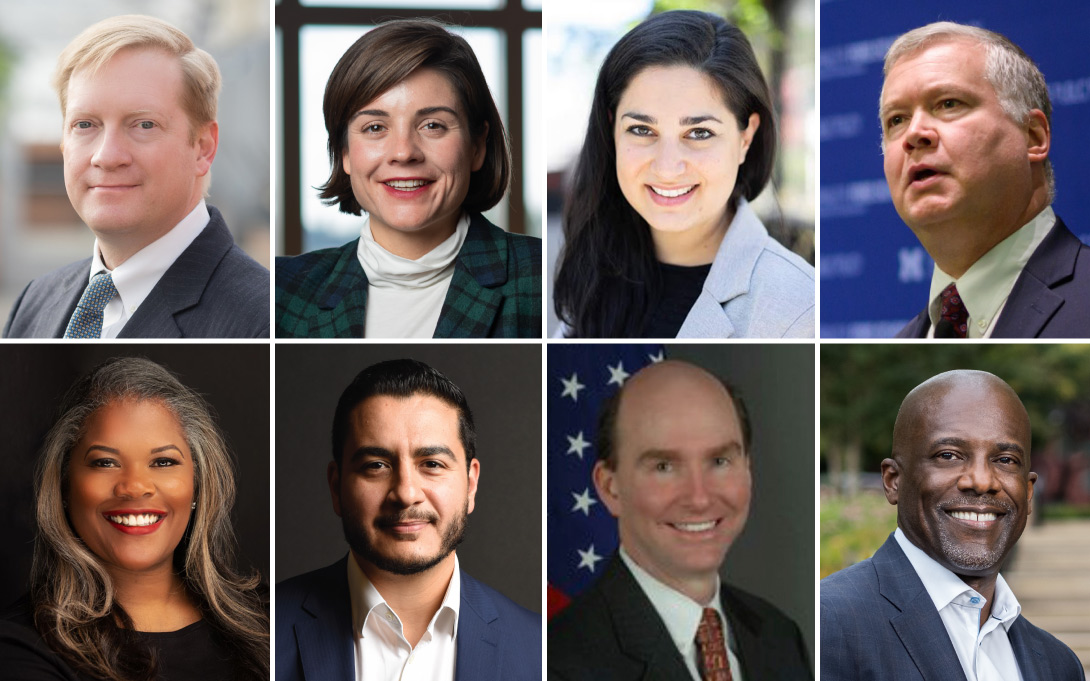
(659, 237)
(134, 575)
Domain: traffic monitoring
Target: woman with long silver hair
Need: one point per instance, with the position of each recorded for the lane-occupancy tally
(134, 575)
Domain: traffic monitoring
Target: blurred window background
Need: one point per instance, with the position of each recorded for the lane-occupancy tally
(311, 36)
(39, 230)
(579, 34)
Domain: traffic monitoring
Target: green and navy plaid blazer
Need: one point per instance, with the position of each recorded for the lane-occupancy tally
(495, 291)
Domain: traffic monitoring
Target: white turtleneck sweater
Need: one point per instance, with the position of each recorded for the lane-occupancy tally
(405, 297)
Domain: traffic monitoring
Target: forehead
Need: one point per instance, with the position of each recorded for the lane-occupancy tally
(957, 61)
(686, 412)
(672, 89)
(385, 420)
(132, 79)
(976, 411)
(423, 87)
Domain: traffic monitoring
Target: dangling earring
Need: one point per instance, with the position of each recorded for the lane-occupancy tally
(193, 506)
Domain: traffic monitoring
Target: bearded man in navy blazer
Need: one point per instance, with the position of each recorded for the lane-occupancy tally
(403, 480)
(931, 604)
(966, 131)
(140, 133)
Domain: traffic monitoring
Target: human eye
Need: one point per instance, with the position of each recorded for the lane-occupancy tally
(82, 125)
(433, 465)
(946, 455)
(165, 462)
(434, 126)
(103, 462)
(373, 128)
(700, 134)
(949, 103)
(894, 121)
(1007, 460)
(147, 125)
(640, 131)
(663, 466)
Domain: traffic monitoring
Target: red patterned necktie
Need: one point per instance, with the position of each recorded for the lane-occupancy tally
(953, 310)
(712, 648)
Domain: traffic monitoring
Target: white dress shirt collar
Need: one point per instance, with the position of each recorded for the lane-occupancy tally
(136, 277)
(985, 286)
(985, 652)
(380, 638)
(682, 615)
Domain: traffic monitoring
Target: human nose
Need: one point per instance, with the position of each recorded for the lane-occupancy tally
(921, 132)
(696, 489)
(111, 151)
(133, 483)
(405, 147)
(669, 159)
(406, 489)
(978, 477)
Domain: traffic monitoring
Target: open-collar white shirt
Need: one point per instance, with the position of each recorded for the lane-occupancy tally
(985, 652)
(382, 651)
(682, 615)
(136, 277)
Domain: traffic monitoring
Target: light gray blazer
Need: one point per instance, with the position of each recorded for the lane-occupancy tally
(755, 289)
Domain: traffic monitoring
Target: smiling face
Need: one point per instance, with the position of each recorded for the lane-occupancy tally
(960, 474)
(410, 154)
(680, 483)
(130, 486)
(402, 489)
(132, 164)
(952, 155)
(678, 152)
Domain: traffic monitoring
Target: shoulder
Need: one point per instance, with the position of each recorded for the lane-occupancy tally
(585, 628)
(1060, 659)
(779, 299)
(487, 241)
(854, 586)
(324, 583)
(772, 619)
(513, 617)
(25, 654)
(301, 273)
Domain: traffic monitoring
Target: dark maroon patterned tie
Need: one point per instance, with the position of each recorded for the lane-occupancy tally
(953, 310)
(712, 649)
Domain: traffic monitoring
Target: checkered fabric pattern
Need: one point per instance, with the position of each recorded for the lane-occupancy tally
(712, 648)
(86, 321)
(495, 291)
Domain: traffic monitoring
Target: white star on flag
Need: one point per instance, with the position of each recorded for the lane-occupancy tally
(583, 502)
(588, 559)
(577, 444)
(655, 359)
(617, 374)
(572, 386)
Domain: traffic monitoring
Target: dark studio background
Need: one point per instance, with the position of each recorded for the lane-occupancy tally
(503, 386)
(232, 378)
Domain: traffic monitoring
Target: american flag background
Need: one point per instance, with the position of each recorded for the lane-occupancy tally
(582, 535)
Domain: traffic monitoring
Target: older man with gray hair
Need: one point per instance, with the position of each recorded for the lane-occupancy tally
(966, 133)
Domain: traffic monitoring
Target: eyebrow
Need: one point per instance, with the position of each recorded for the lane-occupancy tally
(117, 452)
(426, 111)
(961, 442)
(932, 90)
(688, 120)
(658, 454)
(419, 453)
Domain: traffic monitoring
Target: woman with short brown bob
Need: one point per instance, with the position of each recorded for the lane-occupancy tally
(417, 148)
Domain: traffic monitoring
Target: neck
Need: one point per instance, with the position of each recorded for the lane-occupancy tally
(697, 587)
(957, 244)
(415, 598)
(156, 600)
(691, 247)
(412, 245)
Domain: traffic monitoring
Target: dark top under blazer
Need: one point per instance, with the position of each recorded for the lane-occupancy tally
(613, 633)
(498, 640)
(213, 290)
(879, 622)
(495, 291)
(1050, 298)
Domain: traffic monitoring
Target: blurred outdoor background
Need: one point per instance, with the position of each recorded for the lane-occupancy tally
(311, 36)
(39, 230)
(862, 387)
(580, 33)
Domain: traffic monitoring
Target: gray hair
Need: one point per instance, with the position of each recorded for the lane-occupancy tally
(1018, 83)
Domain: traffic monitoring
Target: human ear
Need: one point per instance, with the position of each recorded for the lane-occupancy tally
(480, 149)
(747, 135)
(474, 476)
(891, 477)
(1038, 136)
(333, 477)
(606, 485)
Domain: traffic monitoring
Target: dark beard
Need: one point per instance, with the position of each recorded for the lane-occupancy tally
(361, 545)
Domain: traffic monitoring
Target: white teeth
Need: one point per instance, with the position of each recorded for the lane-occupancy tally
(970, 515)
(133, 520)
(406, 184)
(672, 193)
(695, 527)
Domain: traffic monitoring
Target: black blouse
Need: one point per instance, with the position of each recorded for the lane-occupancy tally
(680, 288)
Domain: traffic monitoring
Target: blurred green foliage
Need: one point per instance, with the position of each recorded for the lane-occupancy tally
(853, 528)
(7, 66)
(862, 387)
(751, 16)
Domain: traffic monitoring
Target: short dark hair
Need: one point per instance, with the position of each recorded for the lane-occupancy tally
(605, 438)
(402, 378)
(387, 55)
(607, 280)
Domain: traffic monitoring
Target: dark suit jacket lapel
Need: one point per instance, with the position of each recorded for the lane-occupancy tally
(325, 642)
(342, 298)
(917, 328)
(640, 632)
(1032, 302)
(182, 285)
(745, 626)
(67, 295)
(472, 300)
(918, 625)
(478, 635)
(1031, 660)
